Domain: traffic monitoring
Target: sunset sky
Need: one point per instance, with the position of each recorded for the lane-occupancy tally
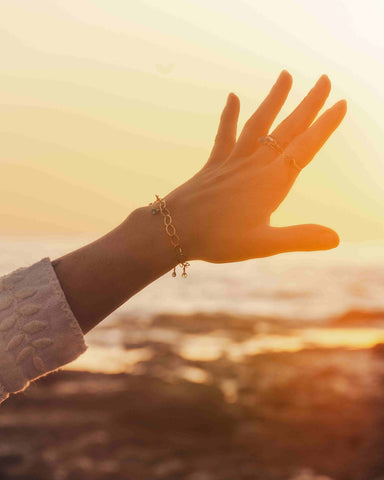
(105, 103)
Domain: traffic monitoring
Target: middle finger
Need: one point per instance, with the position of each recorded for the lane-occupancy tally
(297, 122)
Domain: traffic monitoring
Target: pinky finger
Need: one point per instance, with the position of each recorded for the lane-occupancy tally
(305, 146)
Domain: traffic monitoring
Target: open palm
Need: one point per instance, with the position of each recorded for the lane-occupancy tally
(223, 211)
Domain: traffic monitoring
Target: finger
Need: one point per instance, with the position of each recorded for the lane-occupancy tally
(297, 238)
(304, 147)
(298, 121)
(226, 133)
(260, 122)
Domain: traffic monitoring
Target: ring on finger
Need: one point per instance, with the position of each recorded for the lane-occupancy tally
(292, 161)
(271, 142)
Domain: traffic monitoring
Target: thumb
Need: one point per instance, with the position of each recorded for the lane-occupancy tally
(298, 238)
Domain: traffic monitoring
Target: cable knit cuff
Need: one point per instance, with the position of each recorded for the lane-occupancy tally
(38, 330)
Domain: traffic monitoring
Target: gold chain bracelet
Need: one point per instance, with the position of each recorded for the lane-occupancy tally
(171, 232)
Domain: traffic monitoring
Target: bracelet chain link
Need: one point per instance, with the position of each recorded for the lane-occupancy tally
(171, 232)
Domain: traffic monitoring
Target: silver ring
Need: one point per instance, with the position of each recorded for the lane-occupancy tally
(271, 142)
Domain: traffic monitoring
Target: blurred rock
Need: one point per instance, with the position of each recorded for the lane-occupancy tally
(356, 318)
(256, 419)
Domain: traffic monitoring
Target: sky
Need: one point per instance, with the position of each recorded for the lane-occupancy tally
(105, 103)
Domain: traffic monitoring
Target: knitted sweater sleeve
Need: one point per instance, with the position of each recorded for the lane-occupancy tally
(38, 330)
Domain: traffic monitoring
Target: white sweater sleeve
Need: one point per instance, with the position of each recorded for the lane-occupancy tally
(38, 330)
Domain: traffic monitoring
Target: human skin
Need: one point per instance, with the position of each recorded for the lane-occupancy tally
(221, 214)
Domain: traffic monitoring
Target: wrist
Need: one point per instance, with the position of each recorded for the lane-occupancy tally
(100, 276)
(146, 242)
(181, 208)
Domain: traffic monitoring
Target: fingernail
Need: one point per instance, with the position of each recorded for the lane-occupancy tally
(283, 73)
(323, 78)
(341, 103)
(331, 238)
(229, 98)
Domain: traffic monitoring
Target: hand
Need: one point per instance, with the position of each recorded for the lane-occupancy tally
(222, 214)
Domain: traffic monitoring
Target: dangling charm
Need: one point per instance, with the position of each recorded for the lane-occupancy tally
(184, 274)
(174, 272)
(154, 210)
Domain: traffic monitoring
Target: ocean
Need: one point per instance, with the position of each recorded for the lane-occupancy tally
(300, 286)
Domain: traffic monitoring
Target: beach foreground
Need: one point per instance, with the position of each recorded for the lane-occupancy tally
(313, 413)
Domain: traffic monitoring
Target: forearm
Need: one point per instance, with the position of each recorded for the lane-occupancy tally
(101, 276)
